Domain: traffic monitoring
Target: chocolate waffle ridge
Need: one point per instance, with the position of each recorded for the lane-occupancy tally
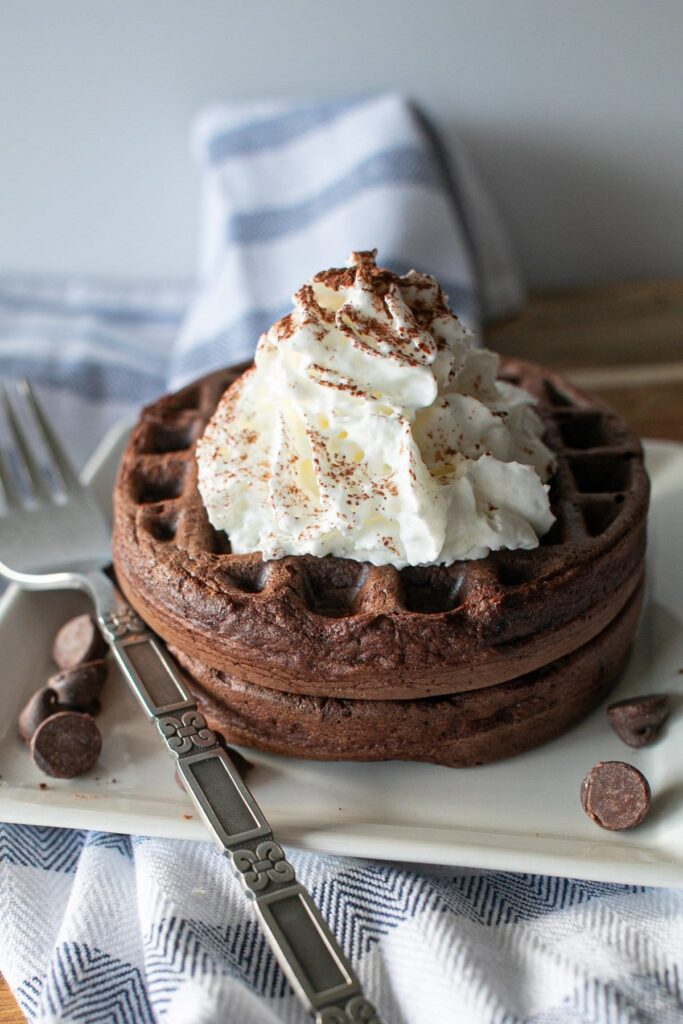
(340, 628)
(457, 730)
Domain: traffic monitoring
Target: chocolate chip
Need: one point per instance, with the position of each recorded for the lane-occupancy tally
(41, 705)
(66, 744)
(615, 795)
(79, 689)
(636, 721)
(78, 641)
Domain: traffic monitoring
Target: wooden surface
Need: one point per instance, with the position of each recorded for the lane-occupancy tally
(632, 322)
(621, 341)
(9, 1011)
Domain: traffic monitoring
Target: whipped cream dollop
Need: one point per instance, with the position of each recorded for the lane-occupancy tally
(371, 428)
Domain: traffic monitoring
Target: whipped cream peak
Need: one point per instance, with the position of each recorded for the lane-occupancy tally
(370, 427)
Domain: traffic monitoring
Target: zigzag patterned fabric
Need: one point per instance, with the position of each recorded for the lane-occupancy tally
(107, 929)
(110, 929)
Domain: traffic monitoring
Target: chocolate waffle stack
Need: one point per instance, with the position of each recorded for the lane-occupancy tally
(330, 658)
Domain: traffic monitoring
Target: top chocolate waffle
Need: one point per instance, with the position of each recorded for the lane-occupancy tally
(337, 627)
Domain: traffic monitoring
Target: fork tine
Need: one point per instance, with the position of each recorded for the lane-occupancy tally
(52, 442)
(22, 444)
(9, 487)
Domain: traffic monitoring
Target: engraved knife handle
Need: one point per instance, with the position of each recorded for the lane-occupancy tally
(299, 936)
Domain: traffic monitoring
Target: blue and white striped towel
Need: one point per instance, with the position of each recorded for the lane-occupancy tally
(288, 191)
(133, 930)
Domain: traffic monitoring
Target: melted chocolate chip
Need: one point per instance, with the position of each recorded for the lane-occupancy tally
(79, 689)
(78, 641)
(42, 705)
(66, 745)
(637, 720)
(615, 795)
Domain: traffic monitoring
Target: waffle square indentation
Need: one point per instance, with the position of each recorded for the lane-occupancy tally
(160, 523)
(513, 568)
(601, 472)
(158, 437)
(555, 535)
(598, 516)
(249, 574)
(556, 396)
(431, 589)
(153, 482)
(582, 429)
(332, 586)
(189, 399)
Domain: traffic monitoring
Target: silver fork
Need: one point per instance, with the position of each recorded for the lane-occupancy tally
(51, 540)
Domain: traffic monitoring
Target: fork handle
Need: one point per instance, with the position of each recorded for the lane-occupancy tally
(299, 936)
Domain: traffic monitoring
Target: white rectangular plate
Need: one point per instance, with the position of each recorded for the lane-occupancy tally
(518, 815)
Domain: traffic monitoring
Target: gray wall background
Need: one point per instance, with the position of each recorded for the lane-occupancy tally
(572, 109)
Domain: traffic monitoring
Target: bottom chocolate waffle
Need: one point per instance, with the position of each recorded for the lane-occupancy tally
(458, 730)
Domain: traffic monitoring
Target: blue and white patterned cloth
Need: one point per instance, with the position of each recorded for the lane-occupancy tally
(288, 191)
(109, 929)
